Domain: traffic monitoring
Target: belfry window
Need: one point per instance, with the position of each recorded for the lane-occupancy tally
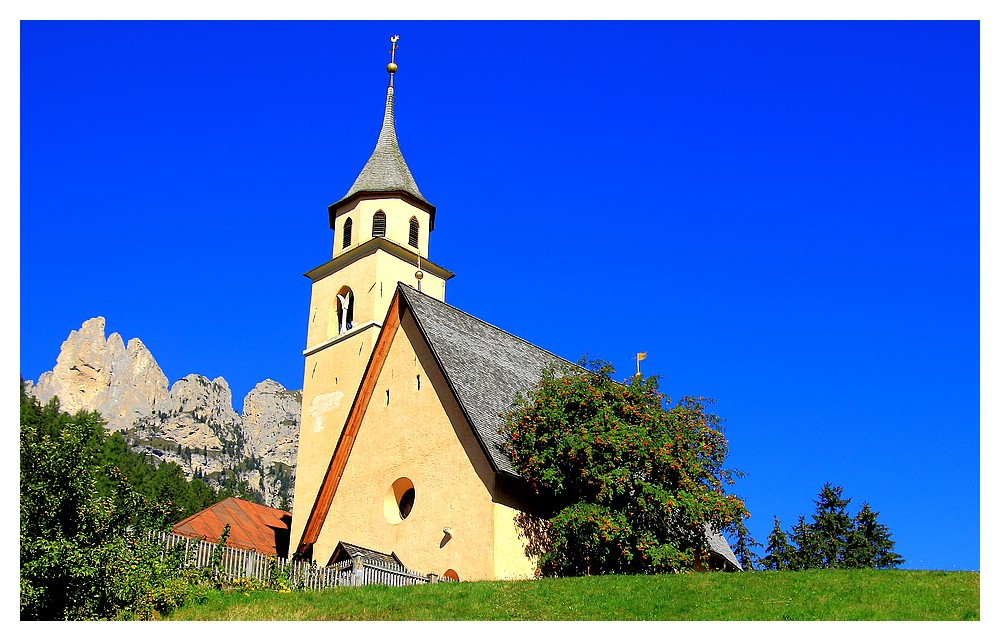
(378, 225)
(345, 310)
(348, 226)
(414, 232)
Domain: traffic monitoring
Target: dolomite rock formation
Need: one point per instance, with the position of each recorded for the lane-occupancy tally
(122, 383)
(192, 424)
(271, 422)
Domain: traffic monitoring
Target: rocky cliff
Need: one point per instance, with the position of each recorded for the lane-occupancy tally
(192, 423)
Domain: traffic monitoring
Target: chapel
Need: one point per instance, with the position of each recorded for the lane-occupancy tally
(403, 396)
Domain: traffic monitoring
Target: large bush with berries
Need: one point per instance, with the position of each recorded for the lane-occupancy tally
(631, 480)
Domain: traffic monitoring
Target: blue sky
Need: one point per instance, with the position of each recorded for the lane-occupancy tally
(783, 215)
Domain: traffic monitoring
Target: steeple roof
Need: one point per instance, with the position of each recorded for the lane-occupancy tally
(386, 170)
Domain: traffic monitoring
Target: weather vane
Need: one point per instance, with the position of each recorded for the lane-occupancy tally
(392, 51)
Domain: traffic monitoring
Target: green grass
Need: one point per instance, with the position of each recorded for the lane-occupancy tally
(816, 595)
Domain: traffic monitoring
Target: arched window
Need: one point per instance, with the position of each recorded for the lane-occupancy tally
(451, 575)
(414, 232)
(345, 310)
(378, 225)
(348, 225)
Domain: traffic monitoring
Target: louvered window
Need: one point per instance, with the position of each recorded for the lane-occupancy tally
(347, 232)
(414, 232)
(378, 225)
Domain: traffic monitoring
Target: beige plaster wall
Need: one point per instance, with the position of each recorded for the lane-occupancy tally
(397, 223)
(335, 362)
(329, 386)
(412, 433)
(510, 560)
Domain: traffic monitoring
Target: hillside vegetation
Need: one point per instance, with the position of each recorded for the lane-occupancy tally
(810, 595)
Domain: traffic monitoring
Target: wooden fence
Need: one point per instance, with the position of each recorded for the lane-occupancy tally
(240, 564)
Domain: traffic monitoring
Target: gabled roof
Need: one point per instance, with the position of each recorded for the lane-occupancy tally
(251, 526)
(351, 551)
(485, 366)
(719, 546)
(386, 170)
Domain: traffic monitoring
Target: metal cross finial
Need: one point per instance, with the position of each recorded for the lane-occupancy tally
(392, 51)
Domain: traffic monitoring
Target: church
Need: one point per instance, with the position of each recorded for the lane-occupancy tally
(403, 396)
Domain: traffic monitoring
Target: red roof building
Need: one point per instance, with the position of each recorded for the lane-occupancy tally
(251, 526)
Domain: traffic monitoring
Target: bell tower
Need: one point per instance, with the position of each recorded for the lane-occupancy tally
(381, 233)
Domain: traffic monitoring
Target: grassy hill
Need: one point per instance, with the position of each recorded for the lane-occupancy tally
(825, 595)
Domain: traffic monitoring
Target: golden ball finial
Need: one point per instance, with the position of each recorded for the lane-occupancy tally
(419, 275)
(391, 67)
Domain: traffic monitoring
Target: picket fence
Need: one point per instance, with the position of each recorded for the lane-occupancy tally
(248, 564)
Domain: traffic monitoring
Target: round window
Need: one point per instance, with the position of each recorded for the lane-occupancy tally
(399, 500)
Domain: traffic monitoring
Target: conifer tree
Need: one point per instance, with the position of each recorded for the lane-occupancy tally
(804, 555)
(743, 550)
(870, 543)
(778, 549)
(831, 527)
(833, 539)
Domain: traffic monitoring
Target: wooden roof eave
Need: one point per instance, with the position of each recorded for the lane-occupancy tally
(342, 452)
(370, 246)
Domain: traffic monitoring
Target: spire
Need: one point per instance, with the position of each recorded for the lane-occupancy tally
(386, 170)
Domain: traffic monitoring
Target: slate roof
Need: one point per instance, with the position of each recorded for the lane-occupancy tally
(354, 551)
(251, 526)
(718, 544)
(386, 170)
(485, 366)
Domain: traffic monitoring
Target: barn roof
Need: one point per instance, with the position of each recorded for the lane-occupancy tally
(251, 526)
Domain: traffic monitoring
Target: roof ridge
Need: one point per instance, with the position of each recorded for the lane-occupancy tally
(256, 506)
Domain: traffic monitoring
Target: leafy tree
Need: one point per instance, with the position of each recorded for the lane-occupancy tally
(84, 555)
(631, 484)
(778, 549)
